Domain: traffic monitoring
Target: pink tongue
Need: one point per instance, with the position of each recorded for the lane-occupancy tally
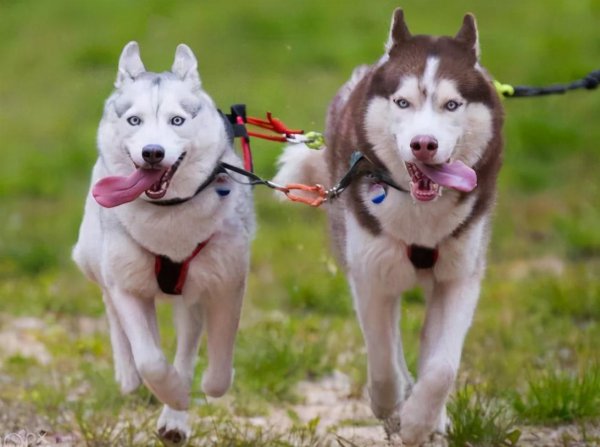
(114, 191)
(455, 175)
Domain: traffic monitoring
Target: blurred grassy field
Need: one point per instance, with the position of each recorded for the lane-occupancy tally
(537, 330)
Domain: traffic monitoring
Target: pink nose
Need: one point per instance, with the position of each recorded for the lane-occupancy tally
(424, 147)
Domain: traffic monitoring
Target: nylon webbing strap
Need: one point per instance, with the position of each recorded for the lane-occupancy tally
(589, 82)
(422, 257)
(239, 130)
(170, 275)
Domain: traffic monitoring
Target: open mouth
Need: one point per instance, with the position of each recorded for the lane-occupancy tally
(116, 190)
(427, 180)
(159, 189)
(422, 187)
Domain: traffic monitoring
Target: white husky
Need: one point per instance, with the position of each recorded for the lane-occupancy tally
(427, 115)
(160, 220)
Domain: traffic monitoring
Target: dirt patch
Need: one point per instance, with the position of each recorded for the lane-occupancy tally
(348, 422)
(21, 337)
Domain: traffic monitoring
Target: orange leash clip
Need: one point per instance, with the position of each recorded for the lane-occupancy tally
(319, 190)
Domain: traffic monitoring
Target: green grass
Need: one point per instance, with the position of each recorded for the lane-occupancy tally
(478, 421)
(274, 355)
(532, 353)
(559, 397)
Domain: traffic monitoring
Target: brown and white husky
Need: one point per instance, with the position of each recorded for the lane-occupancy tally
(428, 115)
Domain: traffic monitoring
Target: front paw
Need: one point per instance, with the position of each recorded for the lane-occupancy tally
(392, 424)
(173, 428)
(418, 423)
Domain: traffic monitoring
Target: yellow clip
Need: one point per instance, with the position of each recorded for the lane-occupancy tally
(504, 89)
(315, 140)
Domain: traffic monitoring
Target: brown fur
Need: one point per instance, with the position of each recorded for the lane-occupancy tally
(345, 127)
(456, 224)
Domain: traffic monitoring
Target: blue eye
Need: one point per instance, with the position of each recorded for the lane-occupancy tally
(452, 105)
(177, 120)
(134, 120)
(402, 103)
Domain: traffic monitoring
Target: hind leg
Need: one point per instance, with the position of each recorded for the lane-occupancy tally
(125, 371)
(173, 427)
(138, 320)
(449, 313)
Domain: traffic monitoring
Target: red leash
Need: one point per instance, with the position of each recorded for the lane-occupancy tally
(274, 125)
(281, 132)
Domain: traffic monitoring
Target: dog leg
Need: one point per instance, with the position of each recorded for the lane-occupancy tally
(449, 313)
(222, 315)
(173, 427)
(138, 319)
(125, 371)
(389, 380)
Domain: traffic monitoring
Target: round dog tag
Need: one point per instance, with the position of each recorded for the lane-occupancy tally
(222, 185)
(377, 193)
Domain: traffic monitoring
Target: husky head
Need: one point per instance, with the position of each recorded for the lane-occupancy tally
(156, 125)
(430, 108)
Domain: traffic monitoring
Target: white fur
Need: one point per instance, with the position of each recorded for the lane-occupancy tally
(117, 246)
(426, 114)
(428, 79)
(313, 168)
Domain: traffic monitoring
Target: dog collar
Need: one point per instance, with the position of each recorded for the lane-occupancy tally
(171, 276)
(356, 171)
(177, 201)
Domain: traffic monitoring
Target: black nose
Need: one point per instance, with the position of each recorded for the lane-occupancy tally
(153, 153)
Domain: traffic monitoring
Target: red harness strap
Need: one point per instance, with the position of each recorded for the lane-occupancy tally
(246, 151)
(171, 275)
(236, 122)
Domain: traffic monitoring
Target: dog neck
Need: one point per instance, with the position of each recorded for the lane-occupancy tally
(178, 201)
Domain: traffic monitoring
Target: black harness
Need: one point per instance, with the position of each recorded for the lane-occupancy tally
(422, 257)
(171, 275)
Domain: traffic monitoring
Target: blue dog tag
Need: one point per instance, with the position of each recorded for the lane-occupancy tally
(377, 193)
(222, 185)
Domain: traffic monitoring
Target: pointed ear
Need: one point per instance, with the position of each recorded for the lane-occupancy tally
(185, 65)
(468, 34)
(398, 30)
(130, 64)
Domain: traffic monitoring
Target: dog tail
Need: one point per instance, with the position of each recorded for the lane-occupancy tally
(300, 164)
